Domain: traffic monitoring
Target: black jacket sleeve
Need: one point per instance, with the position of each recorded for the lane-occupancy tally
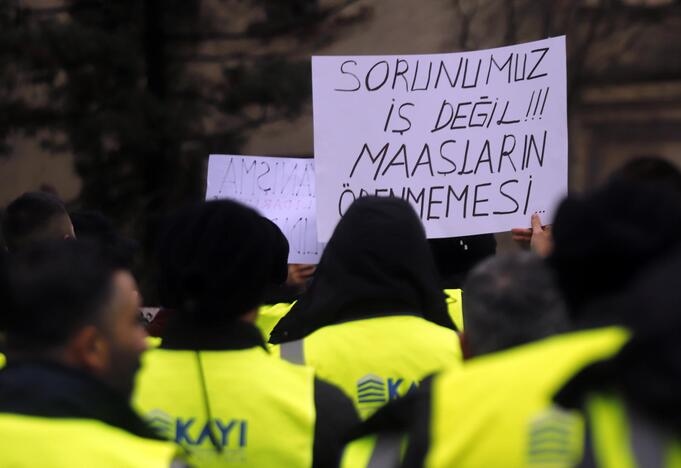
(407, 416)
(336, 418)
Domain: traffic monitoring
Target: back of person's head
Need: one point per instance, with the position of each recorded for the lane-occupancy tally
(511, 300)
(649, 169)
(456, 256)
(67, 302)
(604, 239)
(35, 217)
(94, 226)
(376, 262)
(217, 260)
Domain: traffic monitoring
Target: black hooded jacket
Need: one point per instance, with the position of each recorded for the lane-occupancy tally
(646, 372)
(377, 263)
(49, 390)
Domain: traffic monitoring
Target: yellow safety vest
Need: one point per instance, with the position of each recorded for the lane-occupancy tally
(269, 316)
(375, 451)
(376, 360)
(154, 342)
(455, 307)
(622, 440)
(496, 411)
(262, 410)
(29, 441)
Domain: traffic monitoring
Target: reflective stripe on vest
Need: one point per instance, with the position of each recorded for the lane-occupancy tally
(647, 444)
(292, 352)
(386, 452)
(378, 359)
(622, 438)
(29, 441)
(262, 410)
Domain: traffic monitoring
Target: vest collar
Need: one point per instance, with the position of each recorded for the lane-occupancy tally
(232, 335)
(51, 390)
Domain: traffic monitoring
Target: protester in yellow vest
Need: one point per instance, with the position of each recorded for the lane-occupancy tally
(511, 300)
(631, 401)
(373, 320)
(495, 411)
(212, 386)
(74, 342)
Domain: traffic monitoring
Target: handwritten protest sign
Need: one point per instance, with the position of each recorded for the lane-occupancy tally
(281, 189)
(475, 141)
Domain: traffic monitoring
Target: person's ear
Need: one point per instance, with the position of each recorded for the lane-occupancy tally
(90, 350)
(465, 348)
(71, 232)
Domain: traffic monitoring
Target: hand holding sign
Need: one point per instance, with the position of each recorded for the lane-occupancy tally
(539, 238)
(475, 140)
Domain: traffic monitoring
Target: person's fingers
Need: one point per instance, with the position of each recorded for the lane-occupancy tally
(307, 269)
(536, 224)
(521, 235)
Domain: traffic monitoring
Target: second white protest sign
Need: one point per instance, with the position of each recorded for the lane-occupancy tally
(282, 189)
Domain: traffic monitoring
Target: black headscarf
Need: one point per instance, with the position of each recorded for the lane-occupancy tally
(647, 371)
(603, 240)
(376, 263)
(217, 261)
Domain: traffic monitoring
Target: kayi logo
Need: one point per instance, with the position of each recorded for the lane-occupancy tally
(554, 438)
(160, 422)
(373, 390)
(192, 432)
(370, 390)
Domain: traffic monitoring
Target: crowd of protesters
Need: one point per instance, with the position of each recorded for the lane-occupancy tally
(394, 351)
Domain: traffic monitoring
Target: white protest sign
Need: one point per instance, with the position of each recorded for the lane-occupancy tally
(475, 141)
(281, 189)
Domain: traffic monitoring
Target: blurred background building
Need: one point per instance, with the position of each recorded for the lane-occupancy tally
(116, 105)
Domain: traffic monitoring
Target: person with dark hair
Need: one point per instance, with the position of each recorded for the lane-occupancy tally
(212, 386)
(34, 217)
(74, 342)
(374, 320)
(94, 226)
(511, 300)
(494, 412)
(649, 169)
(616, 245)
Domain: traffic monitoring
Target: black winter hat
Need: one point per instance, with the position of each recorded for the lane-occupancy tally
(604, 239)
(217, 260)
